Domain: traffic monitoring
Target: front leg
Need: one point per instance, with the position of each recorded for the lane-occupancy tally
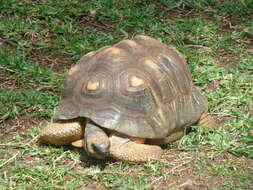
(122, 148)
(62, 132)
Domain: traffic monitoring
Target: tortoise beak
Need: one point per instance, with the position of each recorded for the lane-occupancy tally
(102, 148)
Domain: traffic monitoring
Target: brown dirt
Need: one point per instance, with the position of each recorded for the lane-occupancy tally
(92, 186)
(8, 80)
(179, 174)
(11, 83)
(232, 23)
(94, 24)
(185, 171)
(182, 167)
(4, 42)
(60, 64)
(57, 64)
(17, 126)
(227, 59)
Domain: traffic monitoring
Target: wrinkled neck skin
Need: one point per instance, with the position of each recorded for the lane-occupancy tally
(96, 141)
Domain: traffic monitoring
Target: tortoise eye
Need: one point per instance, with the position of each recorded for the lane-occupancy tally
(92, 85)
(135, 81)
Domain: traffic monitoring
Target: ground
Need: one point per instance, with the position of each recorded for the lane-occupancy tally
(41, 40)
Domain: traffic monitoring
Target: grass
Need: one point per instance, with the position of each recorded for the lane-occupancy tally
(41, 40)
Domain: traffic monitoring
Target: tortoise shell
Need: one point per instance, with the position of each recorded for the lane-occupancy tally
(139, 87)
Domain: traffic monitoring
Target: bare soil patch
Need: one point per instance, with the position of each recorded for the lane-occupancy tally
(92, 186)
(57, 64)
(182, 168)
(186, 173)
(17, 126)
(94, 24)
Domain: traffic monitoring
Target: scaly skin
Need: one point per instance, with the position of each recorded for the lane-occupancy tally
(96, 141)
(125, 149)
(121, 148)
(62, 133)
(207, 120)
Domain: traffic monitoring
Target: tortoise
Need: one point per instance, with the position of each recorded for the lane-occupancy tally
(125, 100)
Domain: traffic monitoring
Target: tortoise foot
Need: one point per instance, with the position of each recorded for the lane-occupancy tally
(207, 120)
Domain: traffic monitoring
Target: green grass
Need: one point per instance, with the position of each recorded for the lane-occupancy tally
(40, 40)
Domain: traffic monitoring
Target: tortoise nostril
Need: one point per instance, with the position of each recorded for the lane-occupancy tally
(101, 148)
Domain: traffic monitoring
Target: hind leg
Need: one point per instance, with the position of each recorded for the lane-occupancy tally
(173, 137)
(207, 120)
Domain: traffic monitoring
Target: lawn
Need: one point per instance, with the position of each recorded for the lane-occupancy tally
(41, 40)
